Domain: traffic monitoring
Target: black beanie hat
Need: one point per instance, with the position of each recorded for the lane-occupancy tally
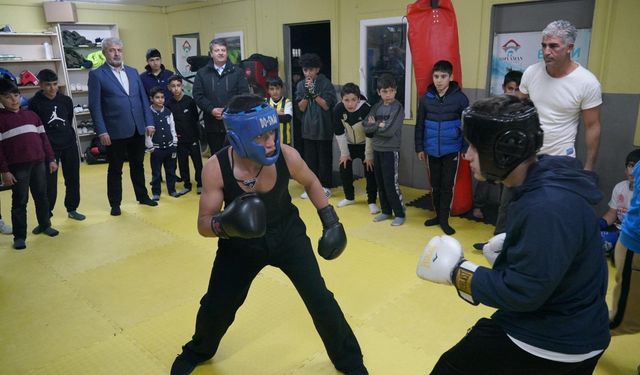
(152, 52)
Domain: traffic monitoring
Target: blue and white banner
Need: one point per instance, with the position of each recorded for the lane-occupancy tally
(516, 51)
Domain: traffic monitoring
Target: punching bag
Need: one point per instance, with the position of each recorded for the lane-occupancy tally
(433, 36)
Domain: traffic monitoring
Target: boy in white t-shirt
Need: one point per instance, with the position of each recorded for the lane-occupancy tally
(620, 197)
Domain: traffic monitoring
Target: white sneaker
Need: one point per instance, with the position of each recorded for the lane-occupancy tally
(304, 195)
(327, 192)
(345, 202)
(373, 208)
(5, 228)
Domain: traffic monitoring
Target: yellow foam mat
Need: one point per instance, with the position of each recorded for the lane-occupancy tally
(119, 295)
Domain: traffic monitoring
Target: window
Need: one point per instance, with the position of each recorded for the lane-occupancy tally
(384, 49)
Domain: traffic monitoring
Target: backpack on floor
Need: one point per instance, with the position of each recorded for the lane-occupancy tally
(96, 153)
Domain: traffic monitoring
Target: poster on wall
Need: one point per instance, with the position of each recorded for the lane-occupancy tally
(516, 51)
(185, 45)
(235, 45)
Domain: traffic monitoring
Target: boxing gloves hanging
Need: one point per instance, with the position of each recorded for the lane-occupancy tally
(334, 239)
(442, 262)
(244, 217)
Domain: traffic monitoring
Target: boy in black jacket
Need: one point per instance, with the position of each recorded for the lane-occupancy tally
(185, 116)
(56, 112)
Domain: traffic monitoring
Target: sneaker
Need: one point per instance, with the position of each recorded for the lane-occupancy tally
(75, 215)
(397, 221)
(304, 195)
(49, 231)
(149, 202)
(5, 228)
(184, 191)
(479, 245)
(175, 194)
(381, 217)
(19, 244)
(199, 190)
(181, 366)
(115, 211)
(327, 192)
(373, 208)
(156, 197)
(345, 202)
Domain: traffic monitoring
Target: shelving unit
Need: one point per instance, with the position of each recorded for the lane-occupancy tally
(78, 77)
(29, 52)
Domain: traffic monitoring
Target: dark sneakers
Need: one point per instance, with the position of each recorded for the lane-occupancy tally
(19, 244)
(115, 211)
(49, 231)
(75, 215)
(479, 245)
(148, 201)
(181, 366)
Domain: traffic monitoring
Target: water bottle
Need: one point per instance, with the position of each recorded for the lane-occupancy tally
(48, 51)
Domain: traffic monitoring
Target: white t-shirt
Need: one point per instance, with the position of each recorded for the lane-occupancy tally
(559, 102)
(620, 199)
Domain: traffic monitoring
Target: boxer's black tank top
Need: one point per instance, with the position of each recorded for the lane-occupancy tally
(277, 200)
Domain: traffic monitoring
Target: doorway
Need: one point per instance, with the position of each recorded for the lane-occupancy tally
(301, 38)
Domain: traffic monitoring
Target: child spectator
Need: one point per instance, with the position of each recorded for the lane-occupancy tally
(155, 73)
(481, 197)
(283, 106)
(56, 113)
(354, 144)
(165, 143)
(624, 316)
(24, 150)
(185, 116)
(384, 123)
(315, 97)
(618, 205)
(438, 138)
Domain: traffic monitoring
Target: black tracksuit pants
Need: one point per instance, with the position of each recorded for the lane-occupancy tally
(68, 160)
(346, 175)
(239, 261)
(186, 151)
(443, 171)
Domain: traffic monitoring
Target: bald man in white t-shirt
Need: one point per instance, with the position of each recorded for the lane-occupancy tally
(561, 89)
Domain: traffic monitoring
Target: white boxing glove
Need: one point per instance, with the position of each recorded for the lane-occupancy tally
(438, 259)
(493, 248)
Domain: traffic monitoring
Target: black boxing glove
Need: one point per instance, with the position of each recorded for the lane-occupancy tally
(245, 217)
(334, 239)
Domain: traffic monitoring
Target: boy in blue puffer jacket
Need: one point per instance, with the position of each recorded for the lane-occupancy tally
(438, 138)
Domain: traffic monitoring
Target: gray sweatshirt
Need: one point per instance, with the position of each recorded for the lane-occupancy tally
(386, 137)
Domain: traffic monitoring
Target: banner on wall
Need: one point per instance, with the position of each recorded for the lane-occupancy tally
(516, 51)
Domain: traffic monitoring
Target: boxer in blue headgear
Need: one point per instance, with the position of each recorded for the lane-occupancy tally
(245, 126)
(260, 227)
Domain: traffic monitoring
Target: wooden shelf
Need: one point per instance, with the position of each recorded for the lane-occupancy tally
(4, 34)
(92, 134)
(29, 61)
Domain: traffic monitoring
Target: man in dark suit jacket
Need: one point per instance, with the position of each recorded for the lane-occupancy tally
(120, 110)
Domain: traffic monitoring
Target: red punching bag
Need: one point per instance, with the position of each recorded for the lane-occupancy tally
(433, 36)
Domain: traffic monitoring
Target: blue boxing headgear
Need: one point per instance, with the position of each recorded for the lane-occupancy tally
(243, 128)
(503, 140)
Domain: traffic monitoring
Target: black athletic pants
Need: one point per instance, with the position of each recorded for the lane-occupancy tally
(186, 151)
(443, 171)
(486, 350)
(30, 177)
(216, 141)
(346, 174)
(69, 160)
(319, 157)
(387, 163)
(239, 261)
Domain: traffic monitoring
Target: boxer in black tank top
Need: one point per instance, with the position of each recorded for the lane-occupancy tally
(256, 163)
